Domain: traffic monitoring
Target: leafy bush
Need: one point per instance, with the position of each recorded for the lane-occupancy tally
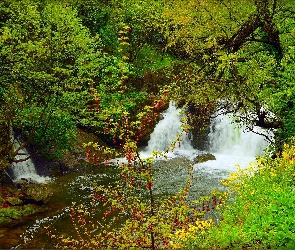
(149, 58)
(6, 214)
(284, 98)
(260, 212)
(56, 129)
(9, 213)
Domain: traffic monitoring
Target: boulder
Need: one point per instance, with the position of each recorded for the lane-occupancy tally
(36, 194)
(14, 201)
(204, 158)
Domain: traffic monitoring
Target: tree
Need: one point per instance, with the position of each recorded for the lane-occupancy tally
(48, 59)
(234, 56)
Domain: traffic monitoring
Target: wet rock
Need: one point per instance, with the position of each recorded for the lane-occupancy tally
(14, 201)
(204, 158)
(5, 180)
(36, 194)
(22, 184)
(47, 165)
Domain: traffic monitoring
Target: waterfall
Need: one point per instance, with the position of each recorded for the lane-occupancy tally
(233, 145)
(166, 131)
(226, 137)
(25, 169)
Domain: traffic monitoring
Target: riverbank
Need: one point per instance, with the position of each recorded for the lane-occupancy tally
(76, 186)
(21, 203)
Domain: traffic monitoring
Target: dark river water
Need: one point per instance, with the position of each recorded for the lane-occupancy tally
(231, 145)
(30, 233)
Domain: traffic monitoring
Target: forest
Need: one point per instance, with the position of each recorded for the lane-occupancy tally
(110, 68)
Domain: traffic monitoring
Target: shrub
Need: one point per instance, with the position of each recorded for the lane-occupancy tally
(260, 211)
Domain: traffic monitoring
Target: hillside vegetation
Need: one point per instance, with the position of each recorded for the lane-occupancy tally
(110, 67)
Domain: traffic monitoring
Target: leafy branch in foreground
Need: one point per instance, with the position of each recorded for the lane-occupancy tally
(132, 215)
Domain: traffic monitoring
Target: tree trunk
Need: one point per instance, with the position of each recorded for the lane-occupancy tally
(262, 19)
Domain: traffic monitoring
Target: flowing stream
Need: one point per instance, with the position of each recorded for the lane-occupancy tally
(228, 143)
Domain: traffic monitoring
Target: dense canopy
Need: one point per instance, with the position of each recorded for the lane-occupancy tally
(110, 68)
(204, 53)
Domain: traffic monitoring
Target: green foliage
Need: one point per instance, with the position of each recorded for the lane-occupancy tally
(56, 129)
(284, 99)
(97, 17)
(113, 93)
(192, 26)
(143, 19)
(260, 212)
(108, 36)
(149, 58)
(7, 214)
(94, 14)
(10, 213)
(48, 60)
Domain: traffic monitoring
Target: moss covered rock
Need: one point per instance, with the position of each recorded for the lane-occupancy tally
(14, 201)
(37, 193)
(204, 158)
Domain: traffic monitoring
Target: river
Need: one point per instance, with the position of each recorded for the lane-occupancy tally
(230, 144)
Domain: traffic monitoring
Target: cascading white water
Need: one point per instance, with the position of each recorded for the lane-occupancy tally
(230, 144)
(25, 169)
(233, 145)
(227, 138)
(166, 131)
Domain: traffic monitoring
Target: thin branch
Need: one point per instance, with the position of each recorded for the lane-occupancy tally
(274, 7)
